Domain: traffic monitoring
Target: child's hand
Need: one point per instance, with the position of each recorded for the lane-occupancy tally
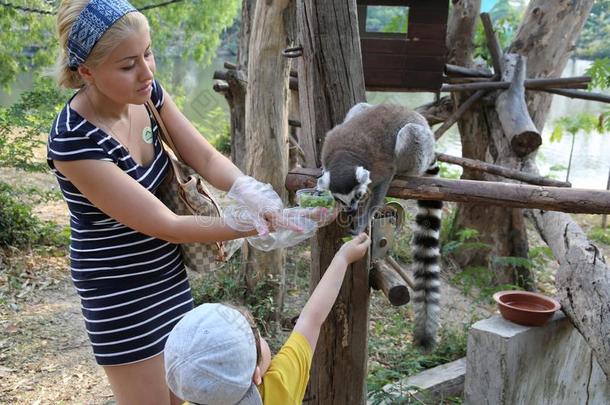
(355, 249)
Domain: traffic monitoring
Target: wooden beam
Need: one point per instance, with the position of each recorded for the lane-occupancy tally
(493, 44)
(584, 95)
(561, 199)
(501, 171)
(512, 110)
(460, 71)
(465, 106)
(530, 84)
(437, 111)
(394, 264)
(385, 278)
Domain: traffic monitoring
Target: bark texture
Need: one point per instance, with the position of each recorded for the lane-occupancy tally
(330, 82)
(547, 50)
(267, 130)
(583, 280)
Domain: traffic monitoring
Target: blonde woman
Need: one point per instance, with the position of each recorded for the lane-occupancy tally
(105, 152)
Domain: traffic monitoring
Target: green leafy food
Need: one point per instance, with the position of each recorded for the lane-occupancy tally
(312, 200)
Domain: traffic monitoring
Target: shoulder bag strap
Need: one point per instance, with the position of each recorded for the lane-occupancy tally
(165, 136)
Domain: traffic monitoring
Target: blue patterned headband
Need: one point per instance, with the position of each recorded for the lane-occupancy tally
(91, 24)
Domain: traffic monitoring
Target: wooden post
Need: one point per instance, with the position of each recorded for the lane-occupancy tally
(331, 81)
(385, 278)
(512, 110)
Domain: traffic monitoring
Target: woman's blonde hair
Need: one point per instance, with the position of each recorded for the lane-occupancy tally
(66, 16)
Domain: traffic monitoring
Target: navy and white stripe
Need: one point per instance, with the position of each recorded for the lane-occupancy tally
(133, 287)
(426, 261)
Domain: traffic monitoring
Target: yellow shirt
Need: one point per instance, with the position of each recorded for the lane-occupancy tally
(286, 380)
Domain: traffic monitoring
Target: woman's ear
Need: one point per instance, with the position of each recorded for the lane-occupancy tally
(257, 378)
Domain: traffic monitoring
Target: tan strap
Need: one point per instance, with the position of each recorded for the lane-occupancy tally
(165, 136)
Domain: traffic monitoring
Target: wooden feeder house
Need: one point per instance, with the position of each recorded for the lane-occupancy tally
(409, 53)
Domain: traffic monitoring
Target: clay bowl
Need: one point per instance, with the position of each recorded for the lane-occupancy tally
(526, 308)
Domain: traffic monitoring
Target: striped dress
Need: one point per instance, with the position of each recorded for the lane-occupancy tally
(133, 287)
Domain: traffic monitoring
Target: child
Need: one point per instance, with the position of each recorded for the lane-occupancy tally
(215, 355)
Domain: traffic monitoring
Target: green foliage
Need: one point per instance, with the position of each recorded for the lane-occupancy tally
(449, 171)
(506, 17)
(23, 123)
(573, 124)
(20, 228)
(26, 41)
(188, 30)
(226, 284)
(600, 74)
(600, 235)
(216, 128)
(387, 19)
(466, 239)
(593, 42)
(389, 347)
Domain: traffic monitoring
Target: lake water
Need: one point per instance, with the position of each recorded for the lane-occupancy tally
(590, 163)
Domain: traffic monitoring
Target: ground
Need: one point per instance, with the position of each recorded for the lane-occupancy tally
(44, 351)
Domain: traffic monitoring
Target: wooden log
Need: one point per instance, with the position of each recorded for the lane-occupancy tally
(460, 71)
(512, 110)
(229, 65)
(331, 82)
(220, 75)
(458, 113)
(385, 278)
(493, 44)
(481, 192)
(401, 272)
(583, 280)
(437, 111)
(584, 95)
(220, 86)
(530, 84)
(501, 171)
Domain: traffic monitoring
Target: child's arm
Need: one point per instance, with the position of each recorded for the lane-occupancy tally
(323, 297)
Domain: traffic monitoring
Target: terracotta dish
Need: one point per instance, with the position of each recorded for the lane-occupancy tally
(526, 308)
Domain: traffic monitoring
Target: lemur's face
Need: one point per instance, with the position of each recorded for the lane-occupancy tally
(357, 192)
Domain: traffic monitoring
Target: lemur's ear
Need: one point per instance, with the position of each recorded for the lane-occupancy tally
(363, 176)
(324, 181)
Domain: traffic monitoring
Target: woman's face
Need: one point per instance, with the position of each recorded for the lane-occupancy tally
(126, 75)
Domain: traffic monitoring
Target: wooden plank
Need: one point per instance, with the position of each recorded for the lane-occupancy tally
(403, 62)
(427, 31)
(430, 15)
(425, 4)
(426, 81)
(422, 47)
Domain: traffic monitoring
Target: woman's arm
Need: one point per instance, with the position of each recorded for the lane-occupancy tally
(196, 150)
(121, 197)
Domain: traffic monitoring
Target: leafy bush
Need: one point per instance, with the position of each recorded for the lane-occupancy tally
(23, 123)
(20, 228)
(600, 235)
(226, 284)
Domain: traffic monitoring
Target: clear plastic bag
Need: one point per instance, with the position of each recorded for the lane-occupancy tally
(254, 199)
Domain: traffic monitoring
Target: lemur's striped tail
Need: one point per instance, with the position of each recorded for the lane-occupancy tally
(426, 261)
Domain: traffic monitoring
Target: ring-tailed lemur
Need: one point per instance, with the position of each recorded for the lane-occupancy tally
(373, 144)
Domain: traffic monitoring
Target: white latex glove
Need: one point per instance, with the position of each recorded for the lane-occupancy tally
(260, 200)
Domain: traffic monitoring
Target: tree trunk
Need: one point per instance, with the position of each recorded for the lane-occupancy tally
(330, 82)
(547, 50)
(267, 131)
(583, 280)
(237, 80)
